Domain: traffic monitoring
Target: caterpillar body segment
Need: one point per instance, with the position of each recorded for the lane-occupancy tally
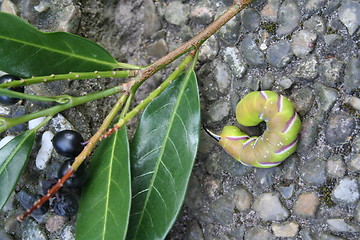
(278, 141)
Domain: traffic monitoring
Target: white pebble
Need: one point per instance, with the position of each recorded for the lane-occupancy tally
(42, 7)
(60, 123)
(355, 103)
(45, 151)
(35, 122)
(5, 140)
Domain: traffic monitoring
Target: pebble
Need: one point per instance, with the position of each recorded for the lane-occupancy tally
(44, 154)
(326, 98)
(349, 15)
(331, 72)
(270, 10)
(355, 162)
(202, 13)
(68, 233)
(356, 144)
(33, 231)
(230, 32)
(328, 236)
(303, 42)
(303, 99)
(157, 49)
(332, 7)
(35, 122)
(69, 19)
(242, 199)
(250, 19)
(60, 123)
(222, 76)
(286, 191)
(5, 140)
(305, 234)
(233, 58)
(265, 176)
(339, 225)
(54, 223)
(285, 229)
(339, 128)
(357, 212)
(346, 191)
(223, 210)
(9, 7)
(194, 231)
(195, 195)
(352, 75)
(153, 21)
(270, 208)
(332, 41)
(177, 13)
(316, 24)
(313, 6)
(354, 102)
(336, 167)
(43, 6)
(251, 51)
(308, 69)
(285, 82)
(258, 233)
(306, 205)
(279, 54)
(309, 131)
(314, 172)
(289, 16)
(267, 81)
(209, 49)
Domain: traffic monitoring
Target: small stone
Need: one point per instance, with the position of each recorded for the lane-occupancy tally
(355, 163)
(177, 13)
(270, 10)
(9, 7)
(352, 75)
(219, 110)
(152, 22)
(209, 49)
(336, 167)
(270, 208)
(267, 81)
(68, 233)
(349, 15)
(313, 172)
(328, 236)
(279, 54)
(354, 102)
(35, 122)
(347, 191)
(286, 191)
(289, 17)
(202, 13)
(157, 49)
(265, 176)
(69, 19)
(339, 129)
(306, 205)
(313, 6)
(303, 99)
(315, 24)
(332, 40)
(285, 82)
(326, 98)
(308, 68)
(5, 140)
(60, 123)
(222, 76)
(44, 153)
(356, 145)
(303, 42)
(222, 210)
(250, 19)
(251, 82)
(54, 223)
(286, 229)
(332, 7)
(194, 231)
(43, 6)
(232, 57)
(309, 132)
(330, 72)
(251, 51)
(305, 234)
(4, 110)
(33, 231)
(242, 199)
(357, 212)
(230, 32)
(339, 225)
(258, 234)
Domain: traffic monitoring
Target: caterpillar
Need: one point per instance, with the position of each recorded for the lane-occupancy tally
(278, 141)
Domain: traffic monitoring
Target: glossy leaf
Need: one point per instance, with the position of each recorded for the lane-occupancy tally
(105, 201)
(13, 158)
(26, 51)
(162, 156)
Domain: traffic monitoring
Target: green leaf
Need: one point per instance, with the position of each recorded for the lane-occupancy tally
(162, 156)
(26, 51)
(105, 201)
(13, 158)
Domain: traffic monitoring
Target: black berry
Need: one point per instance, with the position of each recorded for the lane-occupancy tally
(68, 143)
(65, 204)
(77, 179)
(8, 100)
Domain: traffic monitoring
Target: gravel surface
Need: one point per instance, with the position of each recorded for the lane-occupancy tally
(307, 50)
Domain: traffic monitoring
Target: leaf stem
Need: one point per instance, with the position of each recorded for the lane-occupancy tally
(70, 76)
(14, 94)
(6, 123)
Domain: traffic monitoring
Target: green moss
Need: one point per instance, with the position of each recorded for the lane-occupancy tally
(330, 30)
(325, 193)
(270, 27)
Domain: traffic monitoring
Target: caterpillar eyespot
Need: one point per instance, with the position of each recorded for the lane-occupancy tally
(278, 141)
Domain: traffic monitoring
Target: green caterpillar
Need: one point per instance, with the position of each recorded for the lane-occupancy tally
(278, 141)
